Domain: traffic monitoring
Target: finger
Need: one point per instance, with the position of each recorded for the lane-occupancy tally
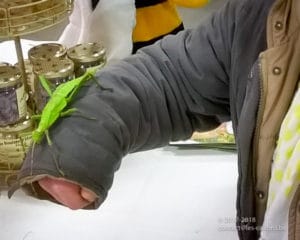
(66, 193)
(88, 195)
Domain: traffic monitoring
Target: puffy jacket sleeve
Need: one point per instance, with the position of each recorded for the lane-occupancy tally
(162, 93)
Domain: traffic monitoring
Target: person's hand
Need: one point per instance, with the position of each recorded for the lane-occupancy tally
(67, 193)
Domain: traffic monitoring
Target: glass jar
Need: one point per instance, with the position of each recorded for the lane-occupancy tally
(15, 141)
(56, 71)
(87, 55)
(13, 106)
(46, 52)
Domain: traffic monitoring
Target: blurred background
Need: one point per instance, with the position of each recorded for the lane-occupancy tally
(191, 18)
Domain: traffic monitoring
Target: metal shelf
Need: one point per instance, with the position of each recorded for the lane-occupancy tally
(20, 17)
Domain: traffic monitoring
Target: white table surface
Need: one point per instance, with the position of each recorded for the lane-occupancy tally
(162, 194)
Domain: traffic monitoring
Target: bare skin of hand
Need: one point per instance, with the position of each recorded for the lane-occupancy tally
(67, 193)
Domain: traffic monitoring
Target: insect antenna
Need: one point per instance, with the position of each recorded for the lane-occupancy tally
(32, 158)
(56, 162)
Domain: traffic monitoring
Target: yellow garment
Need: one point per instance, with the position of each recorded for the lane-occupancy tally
(191, 3)
(155, 19)
(285, 176)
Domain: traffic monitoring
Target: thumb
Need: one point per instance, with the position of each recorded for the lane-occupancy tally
(88, 195)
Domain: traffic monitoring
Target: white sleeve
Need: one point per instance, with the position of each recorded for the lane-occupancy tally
(78, 21)
(111, 23)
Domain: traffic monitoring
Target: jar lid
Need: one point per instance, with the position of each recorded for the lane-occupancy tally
(54, 68)
(46, 51)
(87, 52)
(9, 76)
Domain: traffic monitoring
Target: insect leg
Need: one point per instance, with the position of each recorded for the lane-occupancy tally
(68, 112)
(48, 137)
(36, 117)
(56, 161)
(46, 84)
(72, 110)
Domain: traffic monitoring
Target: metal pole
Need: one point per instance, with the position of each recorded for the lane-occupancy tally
(21, 65)
(21, 62)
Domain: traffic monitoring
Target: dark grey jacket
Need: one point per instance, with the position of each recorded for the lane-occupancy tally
(192, 81)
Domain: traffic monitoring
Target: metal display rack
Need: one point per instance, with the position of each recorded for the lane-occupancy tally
(21, 17)
(18, 18)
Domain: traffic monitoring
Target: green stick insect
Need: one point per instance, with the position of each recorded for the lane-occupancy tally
(56, 106)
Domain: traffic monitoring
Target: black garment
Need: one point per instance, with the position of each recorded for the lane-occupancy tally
(147, 3)
(138, 45)
(138, 3)
(94, 3)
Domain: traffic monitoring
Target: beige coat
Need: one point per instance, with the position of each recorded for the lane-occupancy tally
(280, 65)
